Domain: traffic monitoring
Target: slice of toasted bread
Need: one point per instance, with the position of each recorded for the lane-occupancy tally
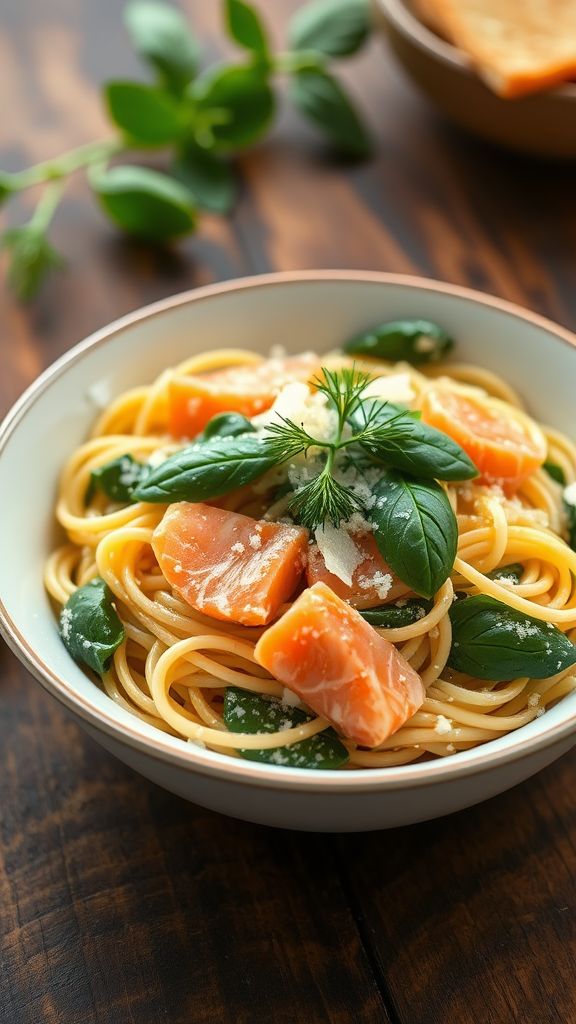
(427, 12)
(517, 46)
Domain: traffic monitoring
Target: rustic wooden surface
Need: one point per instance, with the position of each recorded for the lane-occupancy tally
(121, 903)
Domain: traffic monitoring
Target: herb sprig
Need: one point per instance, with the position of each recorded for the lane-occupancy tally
(378, 430)
(201, 116)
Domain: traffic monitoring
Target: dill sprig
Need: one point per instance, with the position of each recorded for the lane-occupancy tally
(323, 500)
(286, 439)
(360, 422)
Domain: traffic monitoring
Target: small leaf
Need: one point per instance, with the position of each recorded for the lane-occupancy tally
(161, 35)
(495, 642)
(395, 616)
(227, 424)
(336, 28)
(237, 104)
(246, 712)
(244, 25)
(147, 113)
(90, 627)
(507, 573)
(322, 99)
(410, 341)
(416, 530)
(31, 257)
(118, 479)
(145, 203)
(206, 470)
(556, 472)
(210, 179)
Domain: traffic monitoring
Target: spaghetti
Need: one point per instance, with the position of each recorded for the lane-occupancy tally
(175, 663)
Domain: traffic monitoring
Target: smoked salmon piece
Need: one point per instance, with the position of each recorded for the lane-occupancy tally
(503, 443)
(325, 652)
(229, 566)
(248, 390)
(373, 582)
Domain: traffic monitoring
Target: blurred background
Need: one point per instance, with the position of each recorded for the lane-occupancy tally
(430, 201)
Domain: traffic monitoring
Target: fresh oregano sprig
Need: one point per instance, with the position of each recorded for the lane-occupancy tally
(201, 116)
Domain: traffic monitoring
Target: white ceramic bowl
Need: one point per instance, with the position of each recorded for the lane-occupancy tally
(315, 309)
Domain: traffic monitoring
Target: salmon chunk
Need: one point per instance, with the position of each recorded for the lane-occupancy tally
(249, 390)
(325, 652)
(227, 565)
(373, 582)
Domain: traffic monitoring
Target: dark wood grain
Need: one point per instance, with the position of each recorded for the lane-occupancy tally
(121, 903)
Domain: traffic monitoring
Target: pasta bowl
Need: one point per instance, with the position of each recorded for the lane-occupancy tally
(313, 309)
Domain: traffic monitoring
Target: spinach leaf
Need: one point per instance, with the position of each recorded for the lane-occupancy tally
(511, 573)
(245, 27)
(321, 98)
(415, 530)
(556, 472)
(206, 470)
(89, 626)
(252, 713)
(495, 642)
(117, 479)
(147, 113)
(395, 616)
(227, 424)
(414, 341)
(405, 442)
(335, 28)
(161, 35)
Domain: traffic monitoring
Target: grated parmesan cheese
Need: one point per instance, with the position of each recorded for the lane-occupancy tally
(443, 725)
(570, 494)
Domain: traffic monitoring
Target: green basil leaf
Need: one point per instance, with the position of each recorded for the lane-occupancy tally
(147, 113)
(236, 102)
(336, 28)
(395, 616)
(509, 573)
(413, 341)
(405, 442)
(245, 27)
(145, 203)
(161, 35)
(556, 472)
(252, 713)
(495, 642)
(209, 178)
(118, 479)
(416, 530)
(90, 627)
(206, 470)
(227, 424)
(322, 99)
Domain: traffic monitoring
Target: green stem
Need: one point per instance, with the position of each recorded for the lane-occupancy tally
(67, 163)
(47, 206)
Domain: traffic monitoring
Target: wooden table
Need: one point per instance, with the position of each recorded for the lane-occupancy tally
(121, 903)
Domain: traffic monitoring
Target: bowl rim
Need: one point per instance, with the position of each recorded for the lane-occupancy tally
(477, 760)
(411, 27)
